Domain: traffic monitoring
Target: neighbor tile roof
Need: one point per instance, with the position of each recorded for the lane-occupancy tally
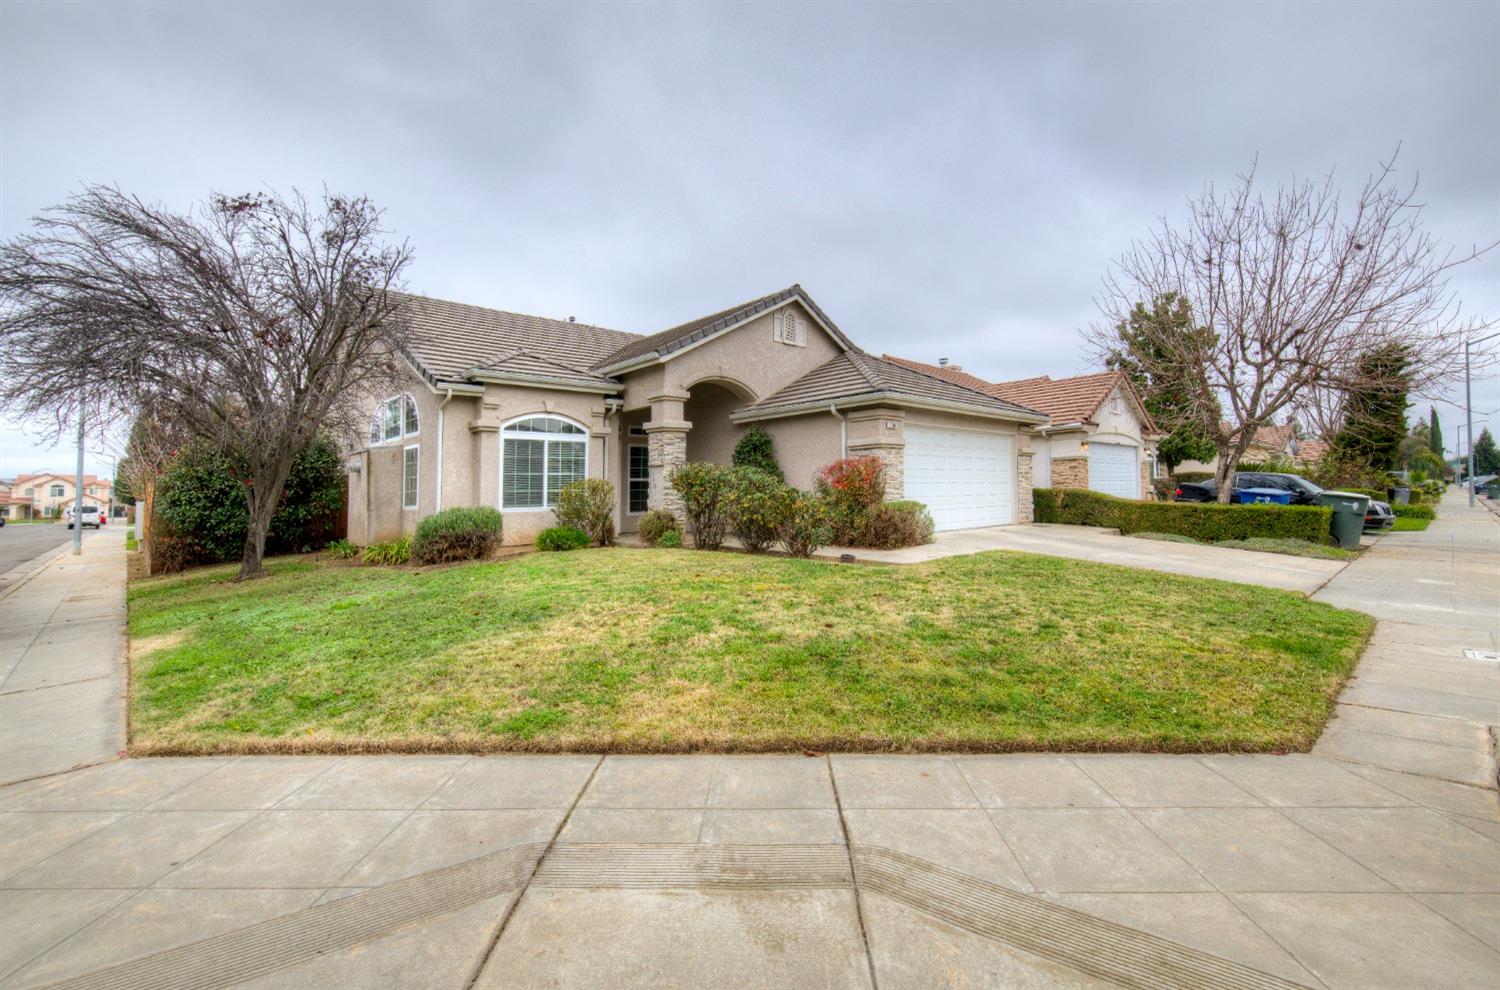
(680, 336)
(448, 339)
(1312, 449)
(854, 374)
(1065, 400)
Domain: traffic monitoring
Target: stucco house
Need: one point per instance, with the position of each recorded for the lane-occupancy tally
(1097, 436)
(1271, 442)
(503, 409)
(49, 494)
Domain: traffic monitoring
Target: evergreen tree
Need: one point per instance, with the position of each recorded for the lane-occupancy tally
(1165, 389)
(1375, 410)
(1434, 431)
(1486, 456)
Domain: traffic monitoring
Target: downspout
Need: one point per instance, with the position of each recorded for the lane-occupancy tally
(843, 430)
(438, 501)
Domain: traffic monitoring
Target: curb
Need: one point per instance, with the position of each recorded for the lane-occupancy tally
(12, 580)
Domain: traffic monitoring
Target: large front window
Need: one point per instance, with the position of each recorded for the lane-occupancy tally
(394, 418)
(639, 479)
(539, 455)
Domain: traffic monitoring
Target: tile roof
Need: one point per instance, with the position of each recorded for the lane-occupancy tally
(946, 372)
(680, 336)
(1065, 400)
(855, 374)
(1313, 449)
(448, 339)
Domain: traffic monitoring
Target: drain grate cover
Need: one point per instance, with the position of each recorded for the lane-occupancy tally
(1489, 656)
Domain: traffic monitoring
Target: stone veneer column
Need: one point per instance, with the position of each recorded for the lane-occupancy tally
(1024, 505)
(1070, 472)
(1147, 492)
(666, 450)
(879, 433)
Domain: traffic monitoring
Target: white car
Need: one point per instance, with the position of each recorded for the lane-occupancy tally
(92, 516)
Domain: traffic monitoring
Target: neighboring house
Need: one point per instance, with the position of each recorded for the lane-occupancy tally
(48, 494)
(1099, 435)
(504, 409)
(1310, 451)
(1270, 443)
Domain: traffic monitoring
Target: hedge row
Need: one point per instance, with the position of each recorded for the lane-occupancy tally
(1200, 520)
(1414, 511)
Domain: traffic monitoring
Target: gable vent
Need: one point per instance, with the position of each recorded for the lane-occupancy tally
(790, 329)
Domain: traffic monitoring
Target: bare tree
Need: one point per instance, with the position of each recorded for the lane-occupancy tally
(1287, 293)
(250, 323)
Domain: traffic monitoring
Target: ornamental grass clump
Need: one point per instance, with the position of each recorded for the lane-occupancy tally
(703, 486)
(460, 533)
(389, 553)
(588, 505)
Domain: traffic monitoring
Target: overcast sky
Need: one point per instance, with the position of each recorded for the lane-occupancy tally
(946, 180)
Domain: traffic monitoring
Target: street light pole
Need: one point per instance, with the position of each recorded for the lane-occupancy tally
(1469, 409)
(78, 490)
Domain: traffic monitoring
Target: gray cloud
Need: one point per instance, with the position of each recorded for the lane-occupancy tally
(946, 180)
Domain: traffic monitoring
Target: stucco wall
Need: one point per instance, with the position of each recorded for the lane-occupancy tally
(747, 356)
(804, 446)
(713, 436)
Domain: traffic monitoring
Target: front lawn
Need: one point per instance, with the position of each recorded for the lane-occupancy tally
(1410, 524)
(1261, 544)
(661, 650)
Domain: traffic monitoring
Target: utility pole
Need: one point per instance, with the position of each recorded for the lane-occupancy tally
(78, 490)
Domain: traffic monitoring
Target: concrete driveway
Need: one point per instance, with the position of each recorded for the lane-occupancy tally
(1373, 863)
(1108, 547)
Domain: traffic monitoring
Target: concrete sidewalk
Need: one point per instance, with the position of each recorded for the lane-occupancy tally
(1373, 862)
(62, 662)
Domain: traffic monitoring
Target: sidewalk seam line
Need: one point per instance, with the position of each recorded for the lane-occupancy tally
(859, 911)
(515, 904)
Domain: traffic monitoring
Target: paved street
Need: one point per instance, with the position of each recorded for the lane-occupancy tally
(1372, 862)
(22, 543)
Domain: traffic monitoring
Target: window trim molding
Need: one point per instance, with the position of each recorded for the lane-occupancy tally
(583, 438)
(417, 486)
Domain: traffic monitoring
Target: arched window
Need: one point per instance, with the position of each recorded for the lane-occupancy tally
(394, 418)
(538, 456)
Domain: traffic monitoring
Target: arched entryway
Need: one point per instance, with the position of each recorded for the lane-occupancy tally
(709, 403)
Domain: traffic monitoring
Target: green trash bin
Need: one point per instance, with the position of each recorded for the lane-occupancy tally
(1348, 516)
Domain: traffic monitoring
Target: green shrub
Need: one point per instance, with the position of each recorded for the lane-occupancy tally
(460, 533)
(804, 526)
(671, 539)
(390, 553)
(562, 538)
(755, 508)
(343, 549)
(588, 505)
(756, 450)
(1376, 494)
(199, 502)
(1206, 521)
(852, 488)
(897, 524)
(703, 486)
(1414, 511)
(656, 524)
(1192, 476)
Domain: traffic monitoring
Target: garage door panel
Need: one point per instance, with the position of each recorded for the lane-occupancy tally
(1114, 469)
(964, 477)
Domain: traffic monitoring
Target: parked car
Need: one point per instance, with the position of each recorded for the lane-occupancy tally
(1378, 516)
(91, 517)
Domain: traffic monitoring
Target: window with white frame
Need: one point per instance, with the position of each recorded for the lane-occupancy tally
(394, 419)
(57, 491)
(539, 455)
(410, 461)
(638, 478)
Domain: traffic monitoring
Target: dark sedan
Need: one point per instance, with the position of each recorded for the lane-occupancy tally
(1303, 492)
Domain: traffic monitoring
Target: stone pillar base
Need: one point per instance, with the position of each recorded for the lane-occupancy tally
(1024, 506)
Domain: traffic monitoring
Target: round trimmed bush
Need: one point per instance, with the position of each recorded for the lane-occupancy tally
(703, 487)
(656, 524)
(755, 507)
(804, 525)
(671, 540)
(460, 533)
(559, 538)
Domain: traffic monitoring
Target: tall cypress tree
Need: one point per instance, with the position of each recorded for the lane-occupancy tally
(1434, 431)
(1375, 411)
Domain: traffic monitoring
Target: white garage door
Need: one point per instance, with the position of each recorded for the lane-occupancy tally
(964, 477)
(1114, 470)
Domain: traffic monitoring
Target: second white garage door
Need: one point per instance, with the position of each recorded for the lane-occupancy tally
(1114, 470)
(963, 476)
